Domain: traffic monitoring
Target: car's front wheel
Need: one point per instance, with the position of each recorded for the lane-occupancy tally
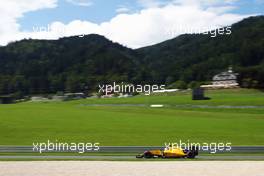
(148, 155)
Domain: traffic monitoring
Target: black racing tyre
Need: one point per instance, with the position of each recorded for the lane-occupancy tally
(148, 155)
(191, 155)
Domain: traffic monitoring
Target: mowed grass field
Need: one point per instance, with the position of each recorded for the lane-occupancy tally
(78, 121)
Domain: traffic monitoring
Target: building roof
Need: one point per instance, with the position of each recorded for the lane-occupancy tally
(228, 75)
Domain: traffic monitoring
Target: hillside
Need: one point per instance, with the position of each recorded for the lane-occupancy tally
(77, 64)
(199, 57)
(70, 64)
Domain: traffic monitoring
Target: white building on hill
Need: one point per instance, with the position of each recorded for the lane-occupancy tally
(227, 79)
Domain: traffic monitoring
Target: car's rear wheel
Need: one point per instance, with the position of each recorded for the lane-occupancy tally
(191, 155)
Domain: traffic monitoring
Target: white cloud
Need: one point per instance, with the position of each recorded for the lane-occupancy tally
(81, 2)
(153, 25)
(149, 26)
(122, 10)
(12, 10)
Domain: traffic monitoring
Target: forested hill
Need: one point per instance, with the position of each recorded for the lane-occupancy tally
(70, 64)
(75, 64)
(199, 57)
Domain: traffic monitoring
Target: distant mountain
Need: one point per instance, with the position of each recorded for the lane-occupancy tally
(75, 64)
(68, 64)
(199, 57)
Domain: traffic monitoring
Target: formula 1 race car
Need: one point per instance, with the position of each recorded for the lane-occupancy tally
(170, 152)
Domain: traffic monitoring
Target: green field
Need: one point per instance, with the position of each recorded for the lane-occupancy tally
(78, 121)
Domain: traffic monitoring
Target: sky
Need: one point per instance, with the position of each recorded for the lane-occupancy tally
(132, 23)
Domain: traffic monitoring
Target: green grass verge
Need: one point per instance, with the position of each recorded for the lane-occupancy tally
(25, 123)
